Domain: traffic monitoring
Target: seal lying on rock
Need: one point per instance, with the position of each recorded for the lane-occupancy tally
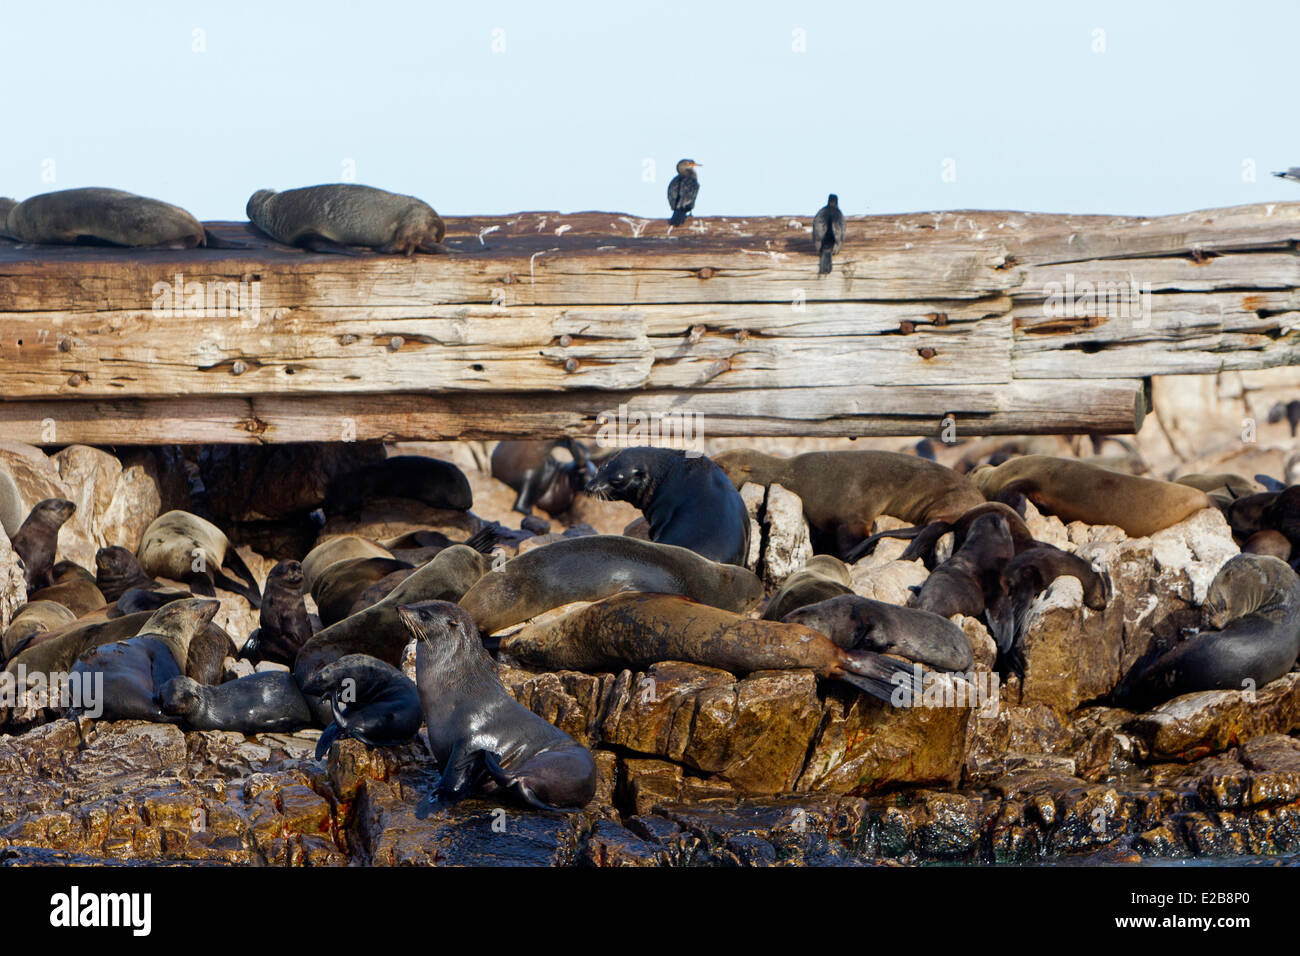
(432, 481)
(1253, 606)
(38, 539)
(117, 571)
(595, 566)
(34, 617)
(185, 547)
(341, 216)
(261, 703)
(821, 578)
(1076, 491)
(687, 500)
(638, 630)
(856, 623)
(338, 586)
(477, 731)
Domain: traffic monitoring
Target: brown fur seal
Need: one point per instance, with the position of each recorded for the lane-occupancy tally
(477, 731)
(1075, 491)
(34, 617)
(260, 703)
(962, 584)
(1026, 576)
(1269, 542)
(134, 671)
(539, 478)
(1252, 616)
(209, 648)
(687, 500)
(38, 539)
(381, 589)
(822, 577)
(284, 626)
(376, 631)
(185, 547)
(856, 623)
(927, 536)
(338, 586)
(432, 481)
(342, 216)
(844, 492)
(638, 630)
(1224, 484)
(78, 594)
(104, 217)
(117, 571)
(344, 547)
(594, 567)
(57, 650)
(146, 599)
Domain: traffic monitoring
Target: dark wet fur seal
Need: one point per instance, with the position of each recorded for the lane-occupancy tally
(688, 500)
(370, 701)
(844, 492)
(283, 624)
(117, 571)
(1253, 615)
(169, 546)
(596, 566)
(853, 622)
(638, 630)
(1026, 576)
(538, 477)
(337, 587)
(477, 731)
(347, 217)
(376, 630)
(260, 703)
(98, 216)
(436, 483)
(135, 670)
(962, 584)
(37, 540)
(1077, 491)
(822, 577)
(147, 599)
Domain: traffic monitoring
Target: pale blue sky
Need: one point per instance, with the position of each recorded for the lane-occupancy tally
(583, 93)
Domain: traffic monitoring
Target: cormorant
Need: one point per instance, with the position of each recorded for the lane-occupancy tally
(828, 232)
(1292, 174)
(682, 191)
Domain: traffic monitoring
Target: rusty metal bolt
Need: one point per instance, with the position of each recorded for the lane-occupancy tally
(926, 353)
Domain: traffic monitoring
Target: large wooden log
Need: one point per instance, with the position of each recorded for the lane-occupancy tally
(1012, 321)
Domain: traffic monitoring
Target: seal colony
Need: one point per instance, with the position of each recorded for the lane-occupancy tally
(343, 614)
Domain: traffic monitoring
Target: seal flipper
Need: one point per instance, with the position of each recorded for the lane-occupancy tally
(319, 243)
(462, 774)
(888, 678)
(201, 584)
(1270, 483)
(485, 539)
(514, 784)
(246, 584)
(868, 545)
(327, 737)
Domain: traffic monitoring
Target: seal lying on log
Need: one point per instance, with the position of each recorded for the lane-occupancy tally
(342, 216)
(94, 215)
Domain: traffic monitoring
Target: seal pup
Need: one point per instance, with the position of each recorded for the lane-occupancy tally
(596, 566)
(263, 703)
(844, 492)
(538, 477)
(1252, 633)
(828, 233)
(283, 624)
(436, 483)
(103, 217)
(370, 701)
(963, 583)
(687, 500)
(1076, 491)
(682, 190)
(1026, 576)
(37, 540)
(853, 622)
(77, 592)
(133, 671)
(185, 547)
(342, 216)
(823, 576)
(477, 731)
(376, 630)
(117, 571)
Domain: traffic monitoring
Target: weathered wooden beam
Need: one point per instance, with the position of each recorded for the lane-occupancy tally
(548, 307)
(1098, 405)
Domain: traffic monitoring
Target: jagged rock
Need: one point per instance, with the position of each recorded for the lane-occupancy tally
(13, 584)
(612, 845)
(1046, 528)
(890, 581)
(982, 645)
(753, 496)
(787, 541)
(1194, 725)
(31, 477)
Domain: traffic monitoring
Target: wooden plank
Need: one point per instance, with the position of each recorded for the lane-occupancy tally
(1115, 406)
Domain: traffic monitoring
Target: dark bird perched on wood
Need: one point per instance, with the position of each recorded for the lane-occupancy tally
(682, 191)
(1292, 174)
(828, 232)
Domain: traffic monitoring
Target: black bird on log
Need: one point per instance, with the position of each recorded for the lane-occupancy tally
(828, 232)
(682, 191)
